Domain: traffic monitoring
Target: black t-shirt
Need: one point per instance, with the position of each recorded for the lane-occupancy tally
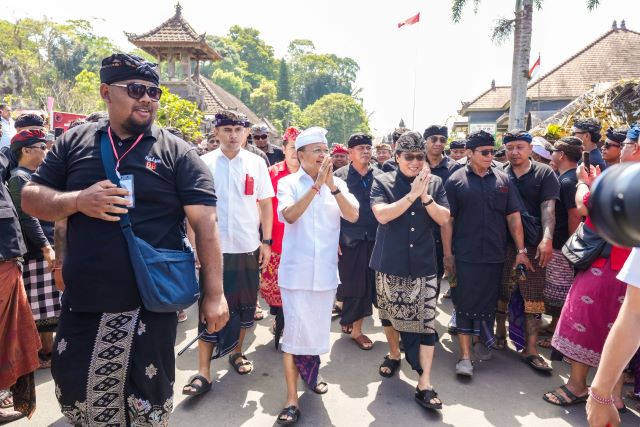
(538, 185)
(168, 175)
(568, 182)
(445, 168)
(479, 206)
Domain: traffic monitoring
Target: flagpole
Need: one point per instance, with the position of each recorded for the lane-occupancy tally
(415, 79)
(540, 74)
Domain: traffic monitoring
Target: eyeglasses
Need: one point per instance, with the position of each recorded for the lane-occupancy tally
(412, 157)
(318, 151)
(137, 90)
(629, 142)
(437, 139)
(609, 145)
(486, 153)
(260, 136)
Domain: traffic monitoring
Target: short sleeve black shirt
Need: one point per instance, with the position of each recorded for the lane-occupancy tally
(479, 206)
(360, 187)
(445, 168)
(168, 175)
(274, 154)
(568, 182)
(11, 243)
(538, 185)
(405, 247)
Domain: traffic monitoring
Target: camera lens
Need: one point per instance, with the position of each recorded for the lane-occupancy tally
(615, 204)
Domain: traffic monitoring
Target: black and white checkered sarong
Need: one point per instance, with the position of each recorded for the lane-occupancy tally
(43, 296)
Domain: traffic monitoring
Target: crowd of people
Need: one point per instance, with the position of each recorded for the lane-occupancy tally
(315, 231)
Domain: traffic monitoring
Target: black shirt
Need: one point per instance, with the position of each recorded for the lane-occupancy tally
(360, 187)
(538, 185)
(13, 163)
(568, 182)
(480, 206)
(445, 168)
(168, 175)
(37, 233)
(595, 158)
(273, 153)
(405, 246)
(11, 243)
(389, 166)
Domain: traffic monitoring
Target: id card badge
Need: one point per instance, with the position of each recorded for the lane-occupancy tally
(126, 182)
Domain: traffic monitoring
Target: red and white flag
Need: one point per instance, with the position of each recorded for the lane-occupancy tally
(413, 20)
(535, 68)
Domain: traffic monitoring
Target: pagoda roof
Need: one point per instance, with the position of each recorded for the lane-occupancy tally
(176, 32)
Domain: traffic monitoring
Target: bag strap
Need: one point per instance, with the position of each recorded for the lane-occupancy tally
(110, 170)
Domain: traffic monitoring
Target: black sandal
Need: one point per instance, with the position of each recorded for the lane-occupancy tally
(198, 389)
(321, 386)
(289, 415)
(561, 400)
(244, 362)
(391, 364)
(424, 398)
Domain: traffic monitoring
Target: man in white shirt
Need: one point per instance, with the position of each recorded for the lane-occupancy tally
(244, 191)
(8, 128)
(310, 204)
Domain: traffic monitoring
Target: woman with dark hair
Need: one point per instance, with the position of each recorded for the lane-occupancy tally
(408, 203)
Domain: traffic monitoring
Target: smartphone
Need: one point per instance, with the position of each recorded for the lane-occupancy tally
(586, 161)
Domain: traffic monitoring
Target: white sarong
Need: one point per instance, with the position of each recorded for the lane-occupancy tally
(307, 321)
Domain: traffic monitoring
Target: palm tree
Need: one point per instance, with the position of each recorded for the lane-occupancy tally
(521, 26)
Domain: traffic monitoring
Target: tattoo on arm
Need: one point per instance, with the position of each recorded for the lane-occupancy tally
(548, 218)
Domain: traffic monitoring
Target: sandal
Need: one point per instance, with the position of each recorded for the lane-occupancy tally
(9, 416)
(545, 342)
(6, 399)
(363, 342)
(573, 399)
(198, 389)
(537, 363)
(243, 362)
(501, 343)
(336, 311)
(425, 398)
(391, 364)
(346, 329)
(259, 314)
(321, 386)
(289, 415)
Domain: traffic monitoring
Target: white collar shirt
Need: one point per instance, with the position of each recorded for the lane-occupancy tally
(309, 259)
(630, 273)
(238, 213)
(8, 131)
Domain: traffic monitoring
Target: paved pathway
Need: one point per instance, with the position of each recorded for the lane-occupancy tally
(504, 392)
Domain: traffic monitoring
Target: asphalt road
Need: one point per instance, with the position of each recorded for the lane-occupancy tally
(504, 391)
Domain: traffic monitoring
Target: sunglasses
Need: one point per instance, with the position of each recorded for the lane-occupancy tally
(260, 136)
(412, 157)
(486, 153)
(609, 145)
(40, 146)
(438, 139)
(137, 90)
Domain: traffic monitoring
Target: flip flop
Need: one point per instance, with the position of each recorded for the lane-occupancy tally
(6, 399)
(362, 342)
(198, 389)
(289, 415)
(537, 363)
(573, 399)
(321, 386)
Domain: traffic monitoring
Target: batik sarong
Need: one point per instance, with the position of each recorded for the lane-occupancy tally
(115, 369)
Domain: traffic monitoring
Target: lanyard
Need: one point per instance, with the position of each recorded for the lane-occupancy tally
(115, 153)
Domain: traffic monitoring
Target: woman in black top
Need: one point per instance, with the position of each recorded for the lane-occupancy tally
(408, 203)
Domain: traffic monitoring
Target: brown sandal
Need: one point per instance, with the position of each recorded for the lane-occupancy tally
(362, 342)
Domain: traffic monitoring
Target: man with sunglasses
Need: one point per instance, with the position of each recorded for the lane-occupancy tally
(357, 287)
(612, 147)
(391, 164)
(113, 360)
(260, 136)
(588, 131)
(539, 190)
(483, 206)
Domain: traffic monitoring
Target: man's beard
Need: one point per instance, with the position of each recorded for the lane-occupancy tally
(137, 128)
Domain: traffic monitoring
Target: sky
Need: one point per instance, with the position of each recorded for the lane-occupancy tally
(436, 62)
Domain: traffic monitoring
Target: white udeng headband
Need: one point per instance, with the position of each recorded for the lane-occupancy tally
(313, 135)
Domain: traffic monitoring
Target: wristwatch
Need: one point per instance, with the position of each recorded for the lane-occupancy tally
(425, 204)
(267, 241)
(522, 251)
(336, 192)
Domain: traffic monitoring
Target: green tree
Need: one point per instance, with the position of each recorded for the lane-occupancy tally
(284, 114)
(340, 114)
(284, 88)
(257, 54)
(229, 82)
(180, 113)
(263, 97)
(84, 97)
(521, 26)
(299, 47)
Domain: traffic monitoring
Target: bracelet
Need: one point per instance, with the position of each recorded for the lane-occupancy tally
(427, 203)
(599, 399)
(335, 193)
(315, 187)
